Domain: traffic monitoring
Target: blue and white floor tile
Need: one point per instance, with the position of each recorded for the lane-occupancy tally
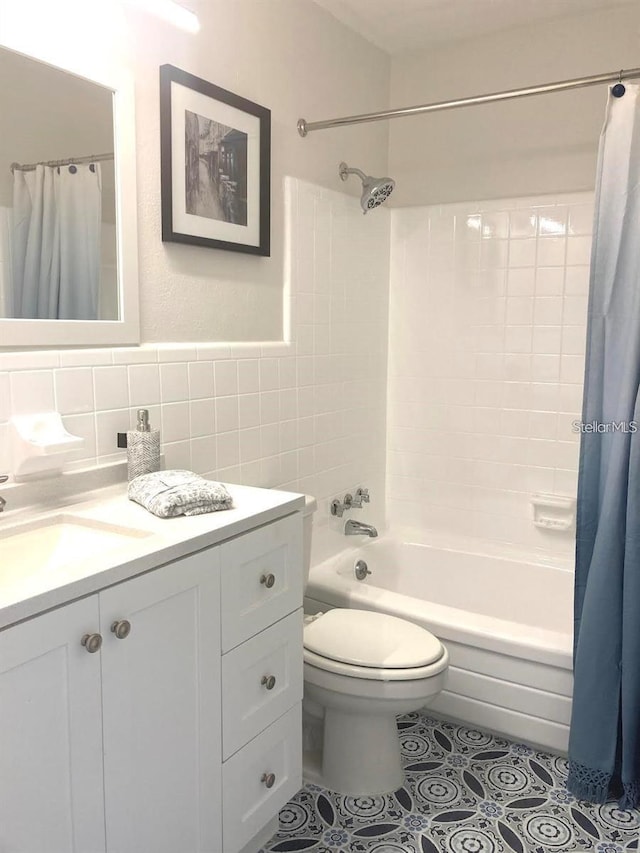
(465, 792)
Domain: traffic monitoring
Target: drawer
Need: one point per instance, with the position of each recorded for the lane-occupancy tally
(248, 805)
(261, 579)
(248, 705)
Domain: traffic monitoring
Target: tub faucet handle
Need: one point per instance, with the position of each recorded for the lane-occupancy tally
(361, 497)
(338, 507)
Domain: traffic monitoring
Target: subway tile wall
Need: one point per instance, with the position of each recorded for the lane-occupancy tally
(488, 306)
(308, 415)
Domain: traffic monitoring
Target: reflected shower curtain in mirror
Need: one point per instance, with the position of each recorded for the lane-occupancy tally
(57, 214)
(604, 746)
(6, 290)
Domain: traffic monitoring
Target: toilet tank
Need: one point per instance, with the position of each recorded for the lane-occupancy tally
(310, 506)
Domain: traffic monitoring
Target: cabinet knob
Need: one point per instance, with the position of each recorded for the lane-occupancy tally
(92, 643)
(269, 681)
(268, 580)
(268, 779)
(121, 628)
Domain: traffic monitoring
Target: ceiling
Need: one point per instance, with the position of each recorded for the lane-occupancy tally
(398, 26)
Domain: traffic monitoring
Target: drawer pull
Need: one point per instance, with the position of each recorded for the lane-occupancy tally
(268, 779)
(269, 681)
(121, 628)
(268, 580)
(92, 643)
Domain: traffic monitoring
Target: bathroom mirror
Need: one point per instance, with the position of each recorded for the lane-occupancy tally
(68, 248)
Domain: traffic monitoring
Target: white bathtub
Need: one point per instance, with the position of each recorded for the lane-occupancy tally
(506, 623)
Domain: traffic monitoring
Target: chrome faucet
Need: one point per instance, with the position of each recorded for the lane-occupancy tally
(358, 528)
(338, 507)
(361, 497)
(3, 503)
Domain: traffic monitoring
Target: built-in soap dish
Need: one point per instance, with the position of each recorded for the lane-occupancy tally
(554, 512)
(40, 445)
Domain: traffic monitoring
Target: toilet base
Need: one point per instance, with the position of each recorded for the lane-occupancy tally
(361, 754)
(338, 753)
(351, 723)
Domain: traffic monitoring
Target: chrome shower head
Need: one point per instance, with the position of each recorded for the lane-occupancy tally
(375, 191)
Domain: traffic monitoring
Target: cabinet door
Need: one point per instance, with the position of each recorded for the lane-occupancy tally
(161, 710)
(51, 789)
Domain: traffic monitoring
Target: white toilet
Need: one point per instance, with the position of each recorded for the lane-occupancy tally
(362, 669)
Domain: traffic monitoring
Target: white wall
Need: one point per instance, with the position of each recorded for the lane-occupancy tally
(488, 299)
(487, 320)
(309, 416)
(533, 145)
(287, 55)
(487, 324)
(51, 115)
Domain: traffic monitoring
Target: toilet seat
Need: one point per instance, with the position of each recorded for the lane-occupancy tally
(370, 645)
(376, 673)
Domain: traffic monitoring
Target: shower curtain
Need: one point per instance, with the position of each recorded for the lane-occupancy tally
(57, 213)
(6, 291)
(604, 745)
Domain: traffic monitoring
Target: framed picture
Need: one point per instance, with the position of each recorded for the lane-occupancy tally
(215, 165)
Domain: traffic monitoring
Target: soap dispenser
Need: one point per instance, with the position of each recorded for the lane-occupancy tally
(143, 448)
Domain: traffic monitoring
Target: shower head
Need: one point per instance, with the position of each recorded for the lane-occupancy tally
(375, 191)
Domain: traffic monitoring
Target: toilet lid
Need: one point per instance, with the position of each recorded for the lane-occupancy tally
(364, 638)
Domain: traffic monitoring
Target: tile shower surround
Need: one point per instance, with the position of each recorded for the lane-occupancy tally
(307, 415)
(487, 321)
(486, 350)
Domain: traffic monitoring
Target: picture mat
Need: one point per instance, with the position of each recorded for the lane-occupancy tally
(183, 98)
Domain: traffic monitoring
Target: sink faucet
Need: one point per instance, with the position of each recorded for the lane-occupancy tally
(3, 503)
(358, 528)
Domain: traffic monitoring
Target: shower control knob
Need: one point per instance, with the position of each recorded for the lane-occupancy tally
(361, 570)
(268, 779)
(268, 580)
(269, 681)
(92, 643)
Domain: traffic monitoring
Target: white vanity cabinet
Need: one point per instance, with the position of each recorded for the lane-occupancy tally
(51, 784)
(261, 589)
(161, 709)
(157, 742)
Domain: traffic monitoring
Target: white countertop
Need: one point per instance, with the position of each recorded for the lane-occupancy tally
(168, 539)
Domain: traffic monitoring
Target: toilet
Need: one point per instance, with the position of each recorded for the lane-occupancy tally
(361, 670)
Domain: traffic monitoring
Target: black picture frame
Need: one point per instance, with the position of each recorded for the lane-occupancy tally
(224, 185)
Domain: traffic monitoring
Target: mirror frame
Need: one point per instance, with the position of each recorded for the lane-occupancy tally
(57, 334)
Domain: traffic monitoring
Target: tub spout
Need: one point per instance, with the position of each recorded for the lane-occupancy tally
(357, 528)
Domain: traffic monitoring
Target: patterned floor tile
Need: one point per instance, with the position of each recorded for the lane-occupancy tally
(465, 791)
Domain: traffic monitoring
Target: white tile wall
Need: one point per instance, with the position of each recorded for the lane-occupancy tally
(308, 415)
(488, 306)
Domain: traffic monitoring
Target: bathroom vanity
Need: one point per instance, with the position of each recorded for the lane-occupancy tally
(150, 691)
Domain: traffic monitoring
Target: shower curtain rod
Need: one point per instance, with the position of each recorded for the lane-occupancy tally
(30, 167)
(305, 127)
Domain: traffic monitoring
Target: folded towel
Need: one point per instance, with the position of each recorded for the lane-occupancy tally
(170, 493)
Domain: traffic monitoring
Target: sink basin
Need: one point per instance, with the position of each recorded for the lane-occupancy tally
(57, 541)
